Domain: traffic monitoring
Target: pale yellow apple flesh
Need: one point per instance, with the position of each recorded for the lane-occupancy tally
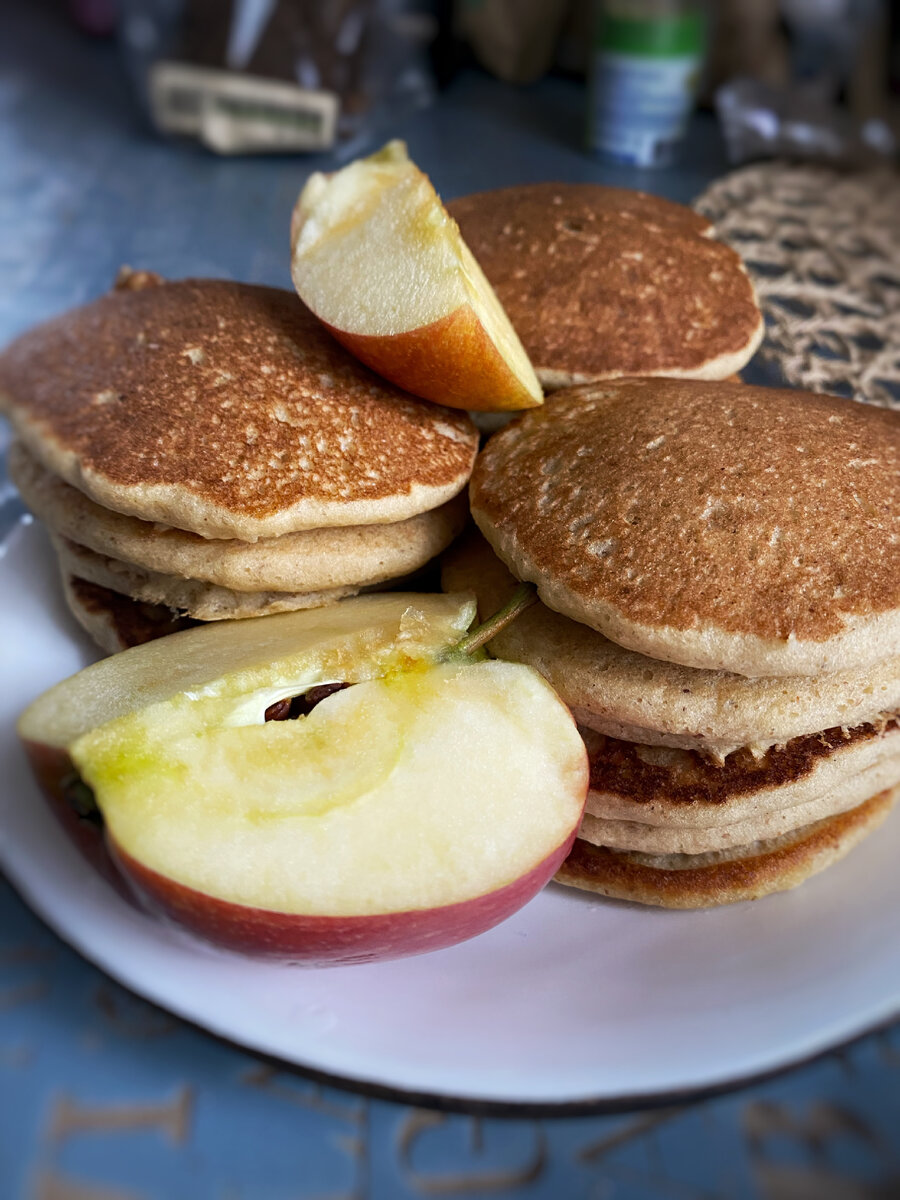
(378, 259)
(409, 811)
(281, 655)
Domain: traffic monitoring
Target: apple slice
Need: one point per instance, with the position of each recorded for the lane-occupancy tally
(378, 259)
(407, 812)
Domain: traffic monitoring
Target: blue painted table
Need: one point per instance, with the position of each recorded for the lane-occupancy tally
(103, 1097)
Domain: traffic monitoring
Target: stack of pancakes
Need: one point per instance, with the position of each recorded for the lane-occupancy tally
(204, 450)
(602, 283)
(719, 568)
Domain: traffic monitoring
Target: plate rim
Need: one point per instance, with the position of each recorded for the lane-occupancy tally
(443, 1101)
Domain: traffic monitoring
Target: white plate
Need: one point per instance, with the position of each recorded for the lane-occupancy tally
(574, 1000)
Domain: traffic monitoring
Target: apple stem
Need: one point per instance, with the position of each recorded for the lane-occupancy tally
(523, 597)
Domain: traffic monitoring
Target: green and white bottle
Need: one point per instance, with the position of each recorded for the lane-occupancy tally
(646, 60)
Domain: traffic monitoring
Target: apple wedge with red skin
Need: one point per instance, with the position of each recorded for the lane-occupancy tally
(406, 813)
(329, 940)
(379, 260)
(262, 933)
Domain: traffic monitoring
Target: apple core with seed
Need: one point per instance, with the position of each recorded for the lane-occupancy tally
(414, 809)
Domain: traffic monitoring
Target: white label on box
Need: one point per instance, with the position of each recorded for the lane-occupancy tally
(233, 113)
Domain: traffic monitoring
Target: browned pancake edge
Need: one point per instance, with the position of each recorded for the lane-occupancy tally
(116, 622)
(793, 859)
(626, 768)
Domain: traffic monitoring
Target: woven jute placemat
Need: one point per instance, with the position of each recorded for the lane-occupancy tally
(823, 248)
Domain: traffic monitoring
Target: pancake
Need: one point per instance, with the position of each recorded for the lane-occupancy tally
(630, 696)
(308, 561)
(673, 801)
(188, 597)
(715, 525)
(682, 789)
(227, 410)
(116, 622)
(723, 877)
(600, 282)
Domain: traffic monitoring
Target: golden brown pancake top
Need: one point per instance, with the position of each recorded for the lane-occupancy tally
(232, 392)
(600, 280)
(756, 511)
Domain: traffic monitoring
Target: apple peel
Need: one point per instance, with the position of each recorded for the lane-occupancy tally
(319, 941)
